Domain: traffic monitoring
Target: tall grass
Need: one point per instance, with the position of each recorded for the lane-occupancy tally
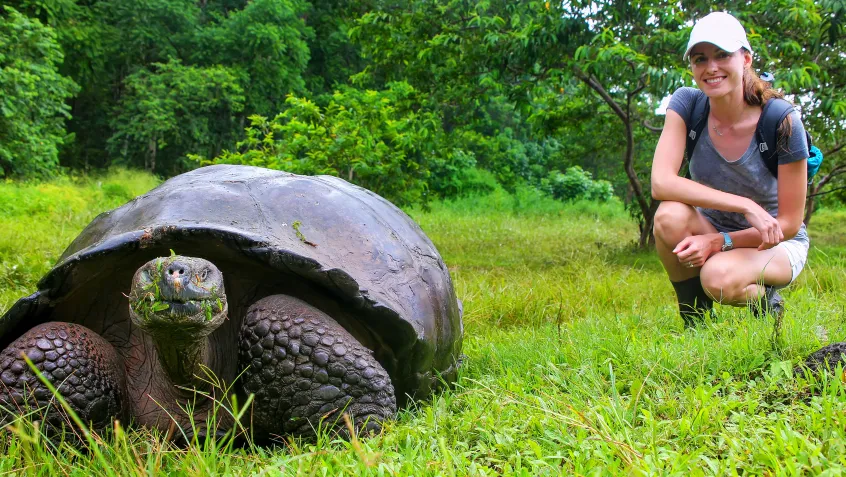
(577, 360)
(38, 220)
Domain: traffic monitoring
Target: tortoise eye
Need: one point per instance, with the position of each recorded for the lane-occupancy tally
(204, 274)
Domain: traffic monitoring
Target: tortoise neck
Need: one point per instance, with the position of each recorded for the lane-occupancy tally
(183, 361)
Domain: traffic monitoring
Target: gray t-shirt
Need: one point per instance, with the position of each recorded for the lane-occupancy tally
(747, 176)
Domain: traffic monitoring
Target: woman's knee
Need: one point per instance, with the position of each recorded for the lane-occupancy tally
(672, 221)
(721, 281)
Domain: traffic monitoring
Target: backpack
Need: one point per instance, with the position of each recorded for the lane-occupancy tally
(775, 110)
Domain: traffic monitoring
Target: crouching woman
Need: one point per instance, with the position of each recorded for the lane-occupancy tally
(733, 232)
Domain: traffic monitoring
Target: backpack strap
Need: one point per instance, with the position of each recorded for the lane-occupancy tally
(775, 110)
(697, 121)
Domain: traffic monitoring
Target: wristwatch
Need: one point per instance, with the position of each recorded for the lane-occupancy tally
(727, 244)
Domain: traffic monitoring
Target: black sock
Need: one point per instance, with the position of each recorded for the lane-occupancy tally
(693, 301)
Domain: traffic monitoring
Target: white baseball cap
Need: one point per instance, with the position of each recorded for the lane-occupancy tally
(720, 29)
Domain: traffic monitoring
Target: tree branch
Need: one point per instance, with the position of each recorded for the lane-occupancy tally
(828, 191)
(835, 149)
(594, 85)
(839, 169)
(651, 127)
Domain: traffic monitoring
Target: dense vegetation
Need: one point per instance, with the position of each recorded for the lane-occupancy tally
(416, 100)
(577, 360)
(519, 134)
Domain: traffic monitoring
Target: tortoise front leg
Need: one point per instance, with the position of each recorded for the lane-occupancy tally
(83, 366)
(304, 369)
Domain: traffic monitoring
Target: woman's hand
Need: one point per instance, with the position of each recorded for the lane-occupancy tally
(766, 225)
(694, 250)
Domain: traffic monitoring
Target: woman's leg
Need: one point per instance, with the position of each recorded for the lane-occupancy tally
(674, 222)
(736, 277)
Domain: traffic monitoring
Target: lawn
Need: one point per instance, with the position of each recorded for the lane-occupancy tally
(577, 361)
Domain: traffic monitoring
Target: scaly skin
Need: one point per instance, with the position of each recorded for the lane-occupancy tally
(304, 368)
(179, 302)
(84, 368)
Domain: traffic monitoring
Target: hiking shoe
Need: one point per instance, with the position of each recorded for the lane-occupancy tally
(772, 303)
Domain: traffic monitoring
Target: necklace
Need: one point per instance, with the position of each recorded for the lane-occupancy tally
(714, 127)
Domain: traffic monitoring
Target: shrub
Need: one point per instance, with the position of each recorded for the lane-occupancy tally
(577, 183)
(381, 140)
(32, 97)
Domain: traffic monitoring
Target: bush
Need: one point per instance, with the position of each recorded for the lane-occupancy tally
(577, 183)
(32, 97)
(381, 140)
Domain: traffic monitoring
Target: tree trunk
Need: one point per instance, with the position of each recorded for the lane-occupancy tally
(647, 205)
(151, 155)
(815, 189)
(647, 238)
(809, 204)
(7, 169)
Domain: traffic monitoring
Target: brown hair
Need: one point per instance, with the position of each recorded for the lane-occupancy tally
(756, 92)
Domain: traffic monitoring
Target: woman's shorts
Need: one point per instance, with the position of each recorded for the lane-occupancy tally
(796, 249)
(797, 252)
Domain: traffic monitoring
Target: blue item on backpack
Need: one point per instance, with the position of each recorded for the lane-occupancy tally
(814, 161)
(775, 110)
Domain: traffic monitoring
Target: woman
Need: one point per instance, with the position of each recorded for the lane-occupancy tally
(733, 233)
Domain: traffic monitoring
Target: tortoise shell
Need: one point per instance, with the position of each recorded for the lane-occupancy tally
(339, 247)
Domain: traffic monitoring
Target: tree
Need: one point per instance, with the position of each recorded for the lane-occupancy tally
(382, 140)
(115, 49)
(173, 108)
(625, 54)
(333, 57)
(32, 97)
(616, 50)
(806, 54)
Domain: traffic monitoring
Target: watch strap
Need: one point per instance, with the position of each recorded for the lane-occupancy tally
(727, 243)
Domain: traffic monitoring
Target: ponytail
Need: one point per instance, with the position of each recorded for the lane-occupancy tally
(756, 92)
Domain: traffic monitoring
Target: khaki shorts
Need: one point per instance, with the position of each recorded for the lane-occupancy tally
(796, 248)
(797, 253)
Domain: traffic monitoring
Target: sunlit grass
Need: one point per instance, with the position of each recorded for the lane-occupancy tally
(577, 359)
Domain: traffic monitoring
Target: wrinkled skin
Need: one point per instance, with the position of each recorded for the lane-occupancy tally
(304, 369)
(354, 259)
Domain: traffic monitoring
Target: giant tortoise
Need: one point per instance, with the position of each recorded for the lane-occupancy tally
(316, 296)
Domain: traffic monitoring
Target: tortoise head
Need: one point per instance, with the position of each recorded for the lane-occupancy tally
(181, 298)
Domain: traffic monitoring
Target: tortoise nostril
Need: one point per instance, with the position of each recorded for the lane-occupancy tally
(174, 271)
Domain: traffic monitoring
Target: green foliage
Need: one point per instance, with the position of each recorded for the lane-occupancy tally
(576, 358)
(590, 74)
(516, 89)
(333, 57)
(32, 97)
(224, 61)
(39, 219)
(576, 183)
(175, 108)
(456, 176)
(380, 140)
(263, 43)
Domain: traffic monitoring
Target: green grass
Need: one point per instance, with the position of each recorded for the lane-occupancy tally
(577, 360)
